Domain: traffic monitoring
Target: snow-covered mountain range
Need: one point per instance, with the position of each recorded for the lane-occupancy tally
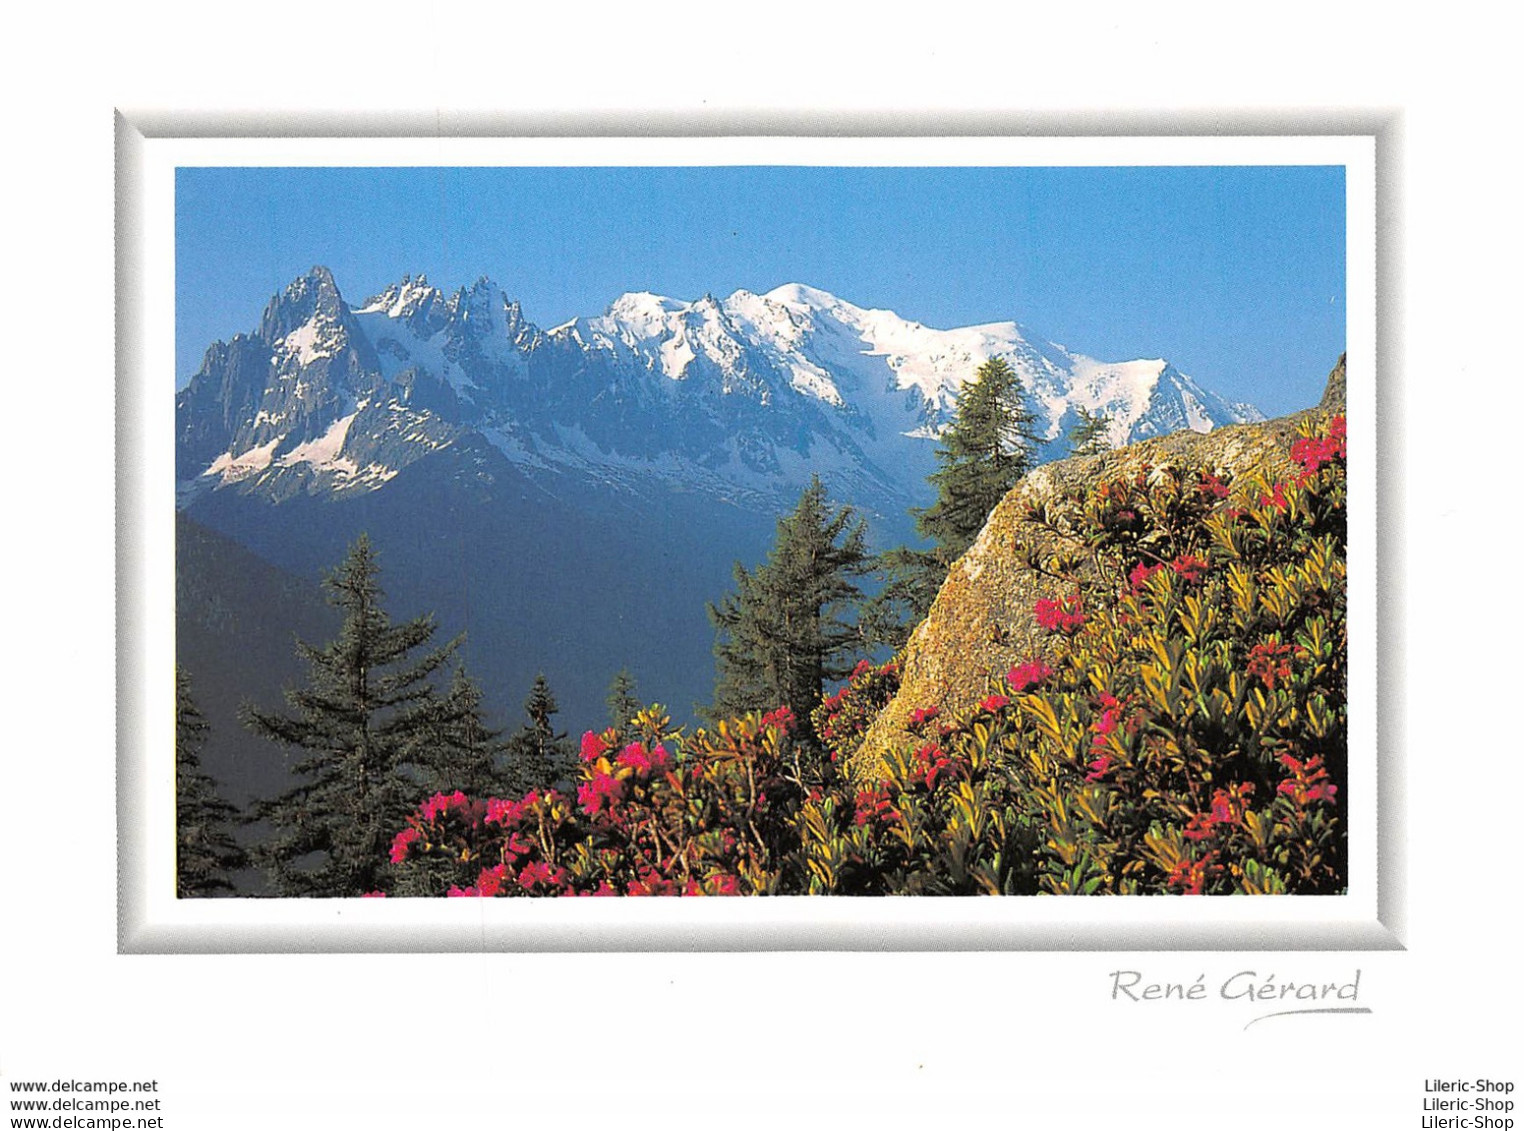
(742, 397)
(572, 497)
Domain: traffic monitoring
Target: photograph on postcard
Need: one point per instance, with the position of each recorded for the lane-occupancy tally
(780, 528)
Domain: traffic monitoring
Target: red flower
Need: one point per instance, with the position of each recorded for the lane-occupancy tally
(1271, 662)
(402, 842)
(593, 747)
(1276, 499)
(1064, 615)
(490, 882)
(921, 716)
(1190, 567)
(442, 804)
(1191, 876)
(1211, 485)
(539, 872)
(1313, 452)
(1201, 827)
(374, 895)
(1140, 574)
(1308, 782)
(600, 791)
(783, 718)
(636, 757)
(873, 805)
(505, 813)
(1030, 674)
(993, 703)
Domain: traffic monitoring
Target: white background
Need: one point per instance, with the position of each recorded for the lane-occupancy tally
(746, 1040)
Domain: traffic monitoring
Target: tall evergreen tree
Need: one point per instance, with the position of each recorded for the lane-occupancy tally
(790, 625)
(538, 756)
(369, 698)
(1088, 436)
(985, 450)
(206, 855)
(455, 749)
(623, 703)
(988, 446)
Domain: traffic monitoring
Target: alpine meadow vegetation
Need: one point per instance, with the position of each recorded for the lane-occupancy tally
(1185, 734)
(1172, 718)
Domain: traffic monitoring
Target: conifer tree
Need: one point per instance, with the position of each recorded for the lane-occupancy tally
(1088, 436)
(790, 625)
(456, 749)
(985, 450)
(355, 726)
(623, 703)
(206, 855)
(538, 756)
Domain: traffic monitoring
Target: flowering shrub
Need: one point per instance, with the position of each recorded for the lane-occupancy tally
(1190, 736)
(1187, 735)
(665, 814)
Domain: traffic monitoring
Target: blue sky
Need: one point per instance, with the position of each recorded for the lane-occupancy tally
(1235, 274)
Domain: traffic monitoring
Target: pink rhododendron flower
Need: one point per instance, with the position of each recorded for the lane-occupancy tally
(1190, 567)
(504, 812)
(1271, 662)
(490, 882)
(1191, 876)
(598, 792)
(920, 717)
(1277, 498)
(1027, 675)
(1064, 615)
(993, 703)
(593, 747)
(1211, 485)
(1140, 574)
(873, 806)
(539, 872)
(636, 757)
(402, 842)
(782, 719)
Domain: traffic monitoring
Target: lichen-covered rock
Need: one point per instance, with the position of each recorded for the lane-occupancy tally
(982, 623)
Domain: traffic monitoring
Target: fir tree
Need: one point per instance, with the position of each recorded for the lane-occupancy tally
(985, 450)
(623, 704)
(1088, 436)
(455, 749)
(206, 855)
(538, 757)
(789, 626)
(356, 724)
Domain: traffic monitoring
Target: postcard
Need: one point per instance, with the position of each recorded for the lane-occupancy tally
(852, 541)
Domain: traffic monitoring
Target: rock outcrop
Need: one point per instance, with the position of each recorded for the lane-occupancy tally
(981, 622)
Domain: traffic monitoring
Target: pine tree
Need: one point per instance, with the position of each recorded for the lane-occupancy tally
(538, 757)
(985, 450)
(1088, 436)
(623, 704)
(206, 855)
(357, 723)
(455, 748)
(790, 625)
